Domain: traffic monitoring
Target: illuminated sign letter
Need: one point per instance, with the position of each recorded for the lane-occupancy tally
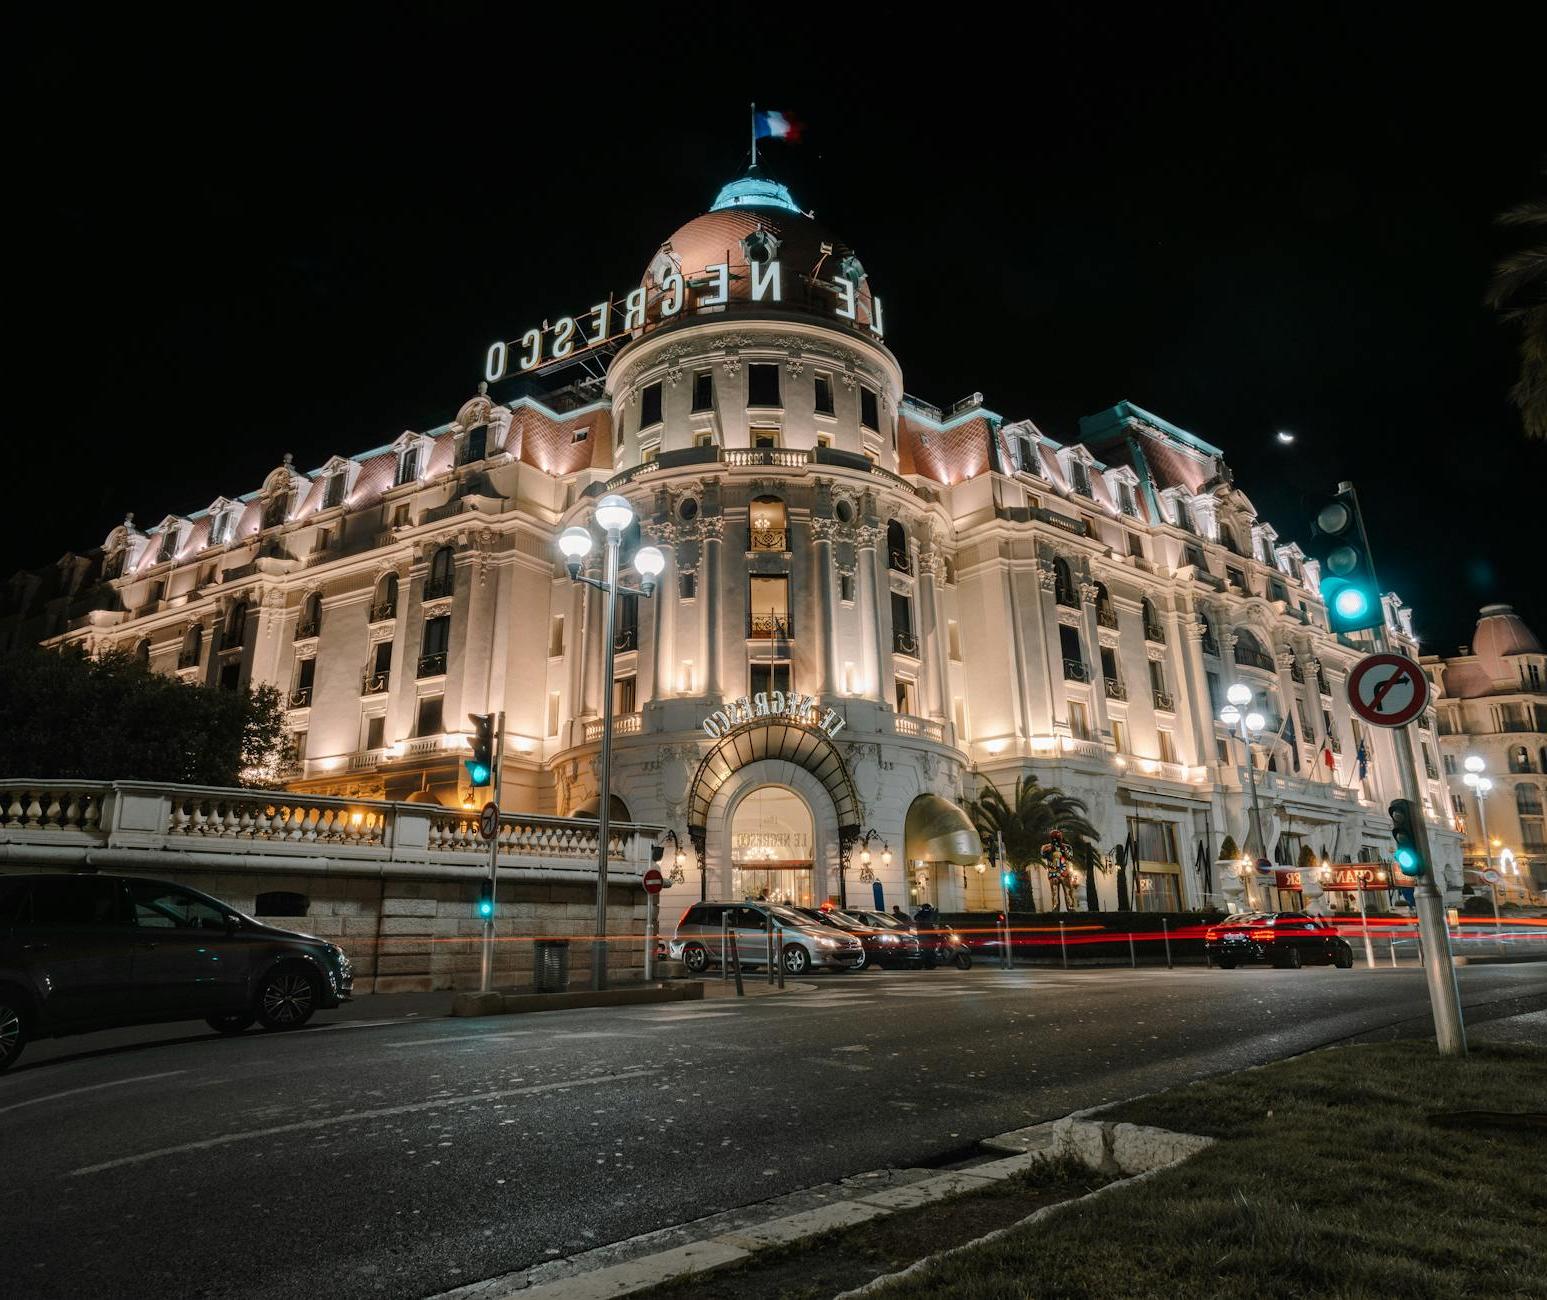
(764, 278)
(532, 341)
(831, 723)
(564, 337)
(875, 314)
(760, 704)
(720, 277)
(671, 294)
(494, 364)
(602, 311)
(845, 297)
(634, 310)
(712, 727)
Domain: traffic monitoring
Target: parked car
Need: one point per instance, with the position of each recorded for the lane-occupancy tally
(80, 952)
(807, 944)
(886, 947)
(1285, 939)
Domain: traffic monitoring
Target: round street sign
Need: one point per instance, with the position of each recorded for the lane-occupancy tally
(654, 882)
(1388, 690)
(1492, 877)
(489, 821)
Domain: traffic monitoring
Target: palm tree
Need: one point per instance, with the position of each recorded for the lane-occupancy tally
(1024, 823)
(1519, 293)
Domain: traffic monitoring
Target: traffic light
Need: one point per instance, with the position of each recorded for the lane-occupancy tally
(1008, 879)
(485, 900)
(480, 767)
(1411, 836)
(1348, 584)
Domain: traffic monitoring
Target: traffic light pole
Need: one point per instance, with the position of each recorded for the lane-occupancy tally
(486, 971)
(1433, 935)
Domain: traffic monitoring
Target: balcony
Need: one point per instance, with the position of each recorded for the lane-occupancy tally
(904, 642)
(1115, 690)
(623, 724)
(770, 539)
(301, 697)
(1163, 701)
(1210, 645)
(432, 665)
(375, 683)
(384, 611)
(907, 725)
(899, 561)
(1076, 670)
(1296, 672)
(1321, 685)
(1065, 597)
(1106, 616)
(1155, 633)
(625, 639)
(770, 627)
(1249, 658)
(308, 630)
(187, 658)
(440, 588)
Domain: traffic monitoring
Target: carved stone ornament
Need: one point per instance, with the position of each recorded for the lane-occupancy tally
(732, 367)
(711, 527)
(1046, 576)
(849, 378)
(1195, 629)
(795, 365)
(437, 608)
(1088, 592)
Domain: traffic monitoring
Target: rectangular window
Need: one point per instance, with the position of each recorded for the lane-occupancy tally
(1216, 695)
(1236, 579)
(553, 713)
(1156, 840)
(687, 586)
(1157, 677)
(1167, 747)
(954, 639)
(1079, 720)
(381, 662)
(1080, 477)
(765, 677)
(305, 675)
(556, 635)
(1125, 499)
(705, 439)
(869, 409)
(400, 515)
(1109, 663)
(375, 731)
(625, 694)
(703, 390)
(333, 495)
(762, 385)
(768, 607)
(846, 588)
(580, 434)
(431, 718)
(408, 466)
(959, 716)
(1120, 735)
(168, 545)
(824, 394)
(231, 677)
(902, 612)
(437, 635)
(824, 440)
(764, 436)
(650, 406)
(907, 696)
(298, 740)
(220, 528)
(1069, 644)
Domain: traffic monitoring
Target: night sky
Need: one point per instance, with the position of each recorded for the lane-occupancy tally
(300, 235)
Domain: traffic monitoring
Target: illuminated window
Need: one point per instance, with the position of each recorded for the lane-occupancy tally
(768, 608)
(765, 436)
(767, 525)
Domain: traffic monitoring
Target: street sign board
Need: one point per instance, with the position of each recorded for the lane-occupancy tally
(1492, 877)
(1342, 877)
(1388, 690)
(489, 821)
(653, 881)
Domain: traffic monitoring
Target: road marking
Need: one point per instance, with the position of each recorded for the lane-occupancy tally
(94, 1087)
(460, 1038)
(368, 1024)
(678, 1019)
(356, 1117)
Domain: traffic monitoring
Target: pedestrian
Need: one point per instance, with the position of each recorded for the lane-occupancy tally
(902, 916)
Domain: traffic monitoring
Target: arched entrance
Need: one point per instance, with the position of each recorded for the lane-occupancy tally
(772, 838)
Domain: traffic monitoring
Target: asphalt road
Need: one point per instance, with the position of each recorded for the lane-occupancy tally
(409, 1158)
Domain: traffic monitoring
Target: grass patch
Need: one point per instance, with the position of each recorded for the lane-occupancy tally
(850, 1257)
(1328, 1181)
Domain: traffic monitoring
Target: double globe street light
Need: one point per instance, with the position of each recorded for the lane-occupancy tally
(1247, 725)
(613, 516)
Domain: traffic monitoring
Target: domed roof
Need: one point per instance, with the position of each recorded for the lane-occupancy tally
(1500, 633)
(754, 218)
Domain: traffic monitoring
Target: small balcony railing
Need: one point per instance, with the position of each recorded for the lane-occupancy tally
(1250, 658)
(770, 539)
(1154, 632)
(770, 627)
(432, 665)
(1106, 616)
(625, 638)
(383, 611)
(900, 561)
(1076, 670)
(187, 658)
(1065, 597)
(375, 683)
(1115, 689)
(438, 588)
(1296, 673)
(1210, 645)
(904, 642)
(306, 630)
(301, 697)
(1321, 685)
(1163, 701)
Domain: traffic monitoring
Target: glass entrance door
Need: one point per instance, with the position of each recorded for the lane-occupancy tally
(771, 839)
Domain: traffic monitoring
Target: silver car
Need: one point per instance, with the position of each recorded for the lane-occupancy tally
(803, 943)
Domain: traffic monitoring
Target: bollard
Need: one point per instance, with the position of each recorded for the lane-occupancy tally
(772, 950)
(779, 953)
(1132, 960)
(650, 928)
(1165, 930)
(736, 962)
(1062, 949)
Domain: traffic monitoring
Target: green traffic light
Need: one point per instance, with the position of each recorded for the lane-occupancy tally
(479, 773)
(485, 907)
(1351, 603)
(1406, 859)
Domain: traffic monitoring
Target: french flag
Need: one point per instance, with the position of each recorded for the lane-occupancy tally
(776, 126)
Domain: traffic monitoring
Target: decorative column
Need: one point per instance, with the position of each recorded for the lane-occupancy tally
(713, 531)
(868, 566)
(1286, 692)
(937, 680)
(1098, 690)
(1200, 709)
(1045, 622)
(661, 634)
(826, 609)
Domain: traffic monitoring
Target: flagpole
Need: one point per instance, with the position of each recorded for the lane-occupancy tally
(754, 134)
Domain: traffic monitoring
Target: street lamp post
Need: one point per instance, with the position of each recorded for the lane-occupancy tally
(1246, 725)
(613, 516)
(1480, 786)
(865, 873)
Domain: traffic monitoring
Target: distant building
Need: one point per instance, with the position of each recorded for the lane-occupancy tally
(1494, 706)
(971, 599)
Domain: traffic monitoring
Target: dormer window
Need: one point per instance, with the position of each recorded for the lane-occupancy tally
(220, 528)
(276, 510)
(168, 547)
(333, 492)
(410, 460)
(1125, 499)
(1079, 477)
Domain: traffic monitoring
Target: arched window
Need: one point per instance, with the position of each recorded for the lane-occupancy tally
(142, 651)
(1249, 651)
(1063, 583)
(442, 574)
(384, 602)
(276, 510)
(1519, 759)
(1210, 640)
(192, 648)
(236, 624)
(897, 556)
(1106, 615)
(768, 525)
(1152, 628)
(310, 622)
(1528, 800)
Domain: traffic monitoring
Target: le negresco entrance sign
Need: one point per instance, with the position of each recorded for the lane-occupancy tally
(800, 709)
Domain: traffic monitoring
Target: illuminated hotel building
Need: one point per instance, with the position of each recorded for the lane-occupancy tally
(963, 597)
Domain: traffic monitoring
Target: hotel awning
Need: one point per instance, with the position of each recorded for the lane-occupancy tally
(937, 830)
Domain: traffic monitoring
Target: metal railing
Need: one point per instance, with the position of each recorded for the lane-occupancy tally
(432, 665)
(1115, 690)
(438, 588)
(1076, 670)
(1106, 616)
(1164, 701)
(899, 561)
(301, 697)
(904, 642)
(770, 626)
(305, 631)
(375, 683)
(770, 539)
(1154, 632)
(626, 638)
(383, 611)
(1250, 658)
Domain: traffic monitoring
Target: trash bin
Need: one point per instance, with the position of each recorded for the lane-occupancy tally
(550, 966)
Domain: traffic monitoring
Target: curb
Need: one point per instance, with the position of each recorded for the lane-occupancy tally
(1131, 1150)
(512, 1004)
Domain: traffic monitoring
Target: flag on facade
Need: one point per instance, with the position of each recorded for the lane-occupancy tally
(1328, 758)
(776, 126)
(1363, 759)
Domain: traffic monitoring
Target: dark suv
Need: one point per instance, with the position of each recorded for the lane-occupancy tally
(84, 952)
(1287, 939)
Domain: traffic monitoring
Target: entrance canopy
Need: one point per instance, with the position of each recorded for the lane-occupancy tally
(937, 830)
(806, 747)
